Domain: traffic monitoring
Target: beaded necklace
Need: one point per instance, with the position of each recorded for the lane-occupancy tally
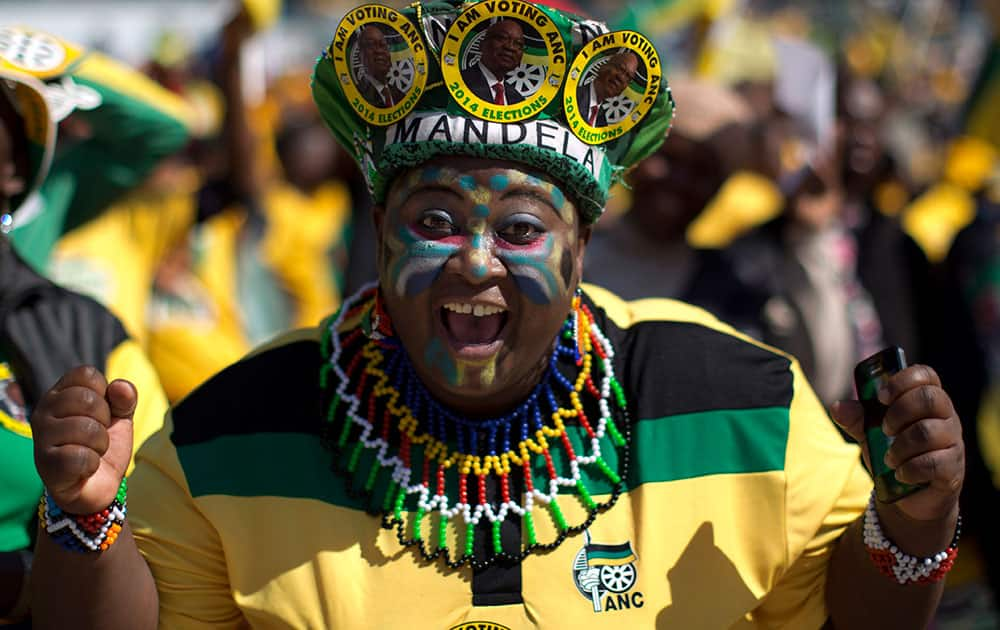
(415, 462)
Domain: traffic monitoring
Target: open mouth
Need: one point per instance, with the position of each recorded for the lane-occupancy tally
(473, 328)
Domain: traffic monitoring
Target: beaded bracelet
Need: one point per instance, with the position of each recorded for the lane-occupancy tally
(892, 562)
(88, 532)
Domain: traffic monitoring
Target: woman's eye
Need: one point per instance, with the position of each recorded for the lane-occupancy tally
(520, 233)
(437, 222)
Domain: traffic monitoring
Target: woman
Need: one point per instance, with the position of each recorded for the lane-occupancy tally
(475, 443)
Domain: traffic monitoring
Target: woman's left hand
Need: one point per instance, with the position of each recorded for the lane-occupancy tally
(927, 446)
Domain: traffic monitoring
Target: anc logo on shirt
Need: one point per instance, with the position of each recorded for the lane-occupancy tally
(606, 575)
(479, 625)
(13, 413)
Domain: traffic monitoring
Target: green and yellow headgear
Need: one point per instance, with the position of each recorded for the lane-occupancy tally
(27, 95)
(432, 102)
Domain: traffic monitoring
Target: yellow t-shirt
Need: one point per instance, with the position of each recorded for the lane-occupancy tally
(737, 488)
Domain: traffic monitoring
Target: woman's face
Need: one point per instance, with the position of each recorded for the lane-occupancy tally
(478, 263)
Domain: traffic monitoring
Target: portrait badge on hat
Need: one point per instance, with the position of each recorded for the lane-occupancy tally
(381, 63)
(39, 54)
(612, 85)
(503, 60)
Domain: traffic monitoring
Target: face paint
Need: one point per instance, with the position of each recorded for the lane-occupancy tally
(477, 227)
(532, 268)
(564, 209)
(542, 270)
(419, 261)
(458, 372)
(437, 358)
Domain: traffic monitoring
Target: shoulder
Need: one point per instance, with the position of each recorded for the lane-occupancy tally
(675, 358)
(50, 330)
(273, 389)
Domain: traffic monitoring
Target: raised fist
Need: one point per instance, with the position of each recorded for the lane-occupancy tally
(82, 431)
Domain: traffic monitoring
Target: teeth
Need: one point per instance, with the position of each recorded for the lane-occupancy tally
(478, 310)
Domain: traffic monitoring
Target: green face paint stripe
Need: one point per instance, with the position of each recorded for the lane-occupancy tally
(436, 357)
(481, 210)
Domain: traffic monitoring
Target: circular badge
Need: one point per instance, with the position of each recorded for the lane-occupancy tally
(381, 63)
(612, 85)
(35, 53)
(503, 60)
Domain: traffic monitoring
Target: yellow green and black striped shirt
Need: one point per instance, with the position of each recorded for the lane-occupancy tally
(738, 488)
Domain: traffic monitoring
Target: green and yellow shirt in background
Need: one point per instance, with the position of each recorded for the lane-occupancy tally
(121, 125)
(20, 486)
(738, 490)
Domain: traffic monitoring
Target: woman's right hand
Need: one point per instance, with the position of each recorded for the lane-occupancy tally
(82, 431)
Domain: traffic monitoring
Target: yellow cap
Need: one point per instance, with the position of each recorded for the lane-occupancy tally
(970, 162)
(27, 95)
(264, 13)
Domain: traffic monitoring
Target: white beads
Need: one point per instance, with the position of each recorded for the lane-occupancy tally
(907, 568)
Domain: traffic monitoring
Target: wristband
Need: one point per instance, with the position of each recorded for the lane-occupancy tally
(84, 532)
(905, 569)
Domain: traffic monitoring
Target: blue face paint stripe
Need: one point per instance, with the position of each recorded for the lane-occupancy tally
(431, 174)
(421, 281)
(499, 182)
(539, 274)
(481, 211)
(531, 289)
(558, 199)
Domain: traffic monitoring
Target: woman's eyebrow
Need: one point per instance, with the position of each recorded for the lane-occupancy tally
(433, 187)
(533, 193)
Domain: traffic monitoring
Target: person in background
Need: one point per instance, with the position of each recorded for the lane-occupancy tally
(44, 331)
(837, 280)
(645, 253)
(268, 253)
(116, 126)
(972, 365)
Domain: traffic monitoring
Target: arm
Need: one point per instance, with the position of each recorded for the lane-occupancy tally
(106, 590)
(83, 444)
(14, 579)
(238, 135)
(928, 449)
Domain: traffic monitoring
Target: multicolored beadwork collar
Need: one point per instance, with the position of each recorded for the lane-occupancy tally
(419, 465)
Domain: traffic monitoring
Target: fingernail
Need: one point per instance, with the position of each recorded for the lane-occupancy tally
(888, 460)
(885, 429)
(883, 395)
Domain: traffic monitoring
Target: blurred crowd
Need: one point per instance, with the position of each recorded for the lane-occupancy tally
(831, 186)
